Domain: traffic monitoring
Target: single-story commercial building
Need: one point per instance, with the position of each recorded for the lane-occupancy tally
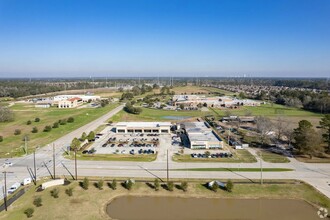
(42, 105)
(143, 127)
(201, 137)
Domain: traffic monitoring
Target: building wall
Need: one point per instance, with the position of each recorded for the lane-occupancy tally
(67, 104)
(161, 130)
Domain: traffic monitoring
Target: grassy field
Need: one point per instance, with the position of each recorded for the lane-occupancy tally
(269, 110)
(91, 203)
(11, 146)
(148, 114)
(114, 157)
(220, 169)
(273, 158)
(240, 156)
(273, 111)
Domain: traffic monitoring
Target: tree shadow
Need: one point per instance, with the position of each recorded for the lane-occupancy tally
(178, 186)
(81, 184)
(110, 185)
(164, 186)
(150, 185)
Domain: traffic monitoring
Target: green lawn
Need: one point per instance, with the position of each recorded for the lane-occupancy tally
(114, 157)
(220, 169)
(91, 203)
(273, 158)
(11, 146)
(268, 110)
(240, 156)
(148, 114)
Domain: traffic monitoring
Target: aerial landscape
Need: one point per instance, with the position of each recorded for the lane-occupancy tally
(162, 110)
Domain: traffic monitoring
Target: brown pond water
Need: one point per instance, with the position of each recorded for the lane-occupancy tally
(158, 208)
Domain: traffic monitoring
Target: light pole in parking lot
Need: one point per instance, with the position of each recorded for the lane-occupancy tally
(54, 159)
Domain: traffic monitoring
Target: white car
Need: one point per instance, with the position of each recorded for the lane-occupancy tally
(8, 164)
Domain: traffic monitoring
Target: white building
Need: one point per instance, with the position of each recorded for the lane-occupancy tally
(69, 103)
(143, 127)
(42, 105)
(192, 101)
(201, 137)
(84, 98)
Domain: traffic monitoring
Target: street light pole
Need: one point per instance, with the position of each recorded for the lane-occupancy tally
(35, 169)
(261, 180)
(167, 166)
(54, 159)
(75, 163)
(5, 191)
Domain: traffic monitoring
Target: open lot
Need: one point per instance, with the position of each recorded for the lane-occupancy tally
(272, 157)
(91, 203)
(11, 146)
(148, 114)
(289, 114)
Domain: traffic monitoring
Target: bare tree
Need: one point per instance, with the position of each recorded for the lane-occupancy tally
(279, 127)
(264, 126)
(288, 132)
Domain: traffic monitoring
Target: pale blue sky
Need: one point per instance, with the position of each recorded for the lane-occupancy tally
(68, 38)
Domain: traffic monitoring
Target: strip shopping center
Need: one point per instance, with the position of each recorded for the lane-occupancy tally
(143, 127)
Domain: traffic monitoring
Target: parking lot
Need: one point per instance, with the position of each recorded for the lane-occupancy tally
(135, 143)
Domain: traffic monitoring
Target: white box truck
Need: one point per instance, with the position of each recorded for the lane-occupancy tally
(26, 181)
(14, 187)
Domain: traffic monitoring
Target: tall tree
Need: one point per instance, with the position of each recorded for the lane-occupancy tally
(75, 144)
(305, 137)
(325, 124)
(280, 126)
(91, 136)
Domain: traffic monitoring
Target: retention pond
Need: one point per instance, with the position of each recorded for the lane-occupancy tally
(159, 208)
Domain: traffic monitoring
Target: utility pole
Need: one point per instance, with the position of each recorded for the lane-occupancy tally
(25, 139)
(5, 191)
(35, 169)
(75, 163)
(261, 180)
(54, 159)
(167, 166)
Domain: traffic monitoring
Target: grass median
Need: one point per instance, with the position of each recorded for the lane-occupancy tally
(114, 157)
(220, 169)
(273, 157)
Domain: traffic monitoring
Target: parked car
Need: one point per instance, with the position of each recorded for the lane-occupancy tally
(14, 187)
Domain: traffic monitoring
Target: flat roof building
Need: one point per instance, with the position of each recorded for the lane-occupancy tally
(201, 137)
(143, 127)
